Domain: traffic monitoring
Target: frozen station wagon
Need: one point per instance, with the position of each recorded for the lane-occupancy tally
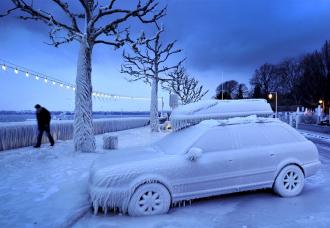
(211, 158)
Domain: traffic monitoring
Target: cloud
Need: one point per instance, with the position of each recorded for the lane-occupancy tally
(240, 35)
(234, 36)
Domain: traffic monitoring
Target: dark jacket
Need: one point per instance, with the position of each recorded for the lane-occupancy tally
(43, 117)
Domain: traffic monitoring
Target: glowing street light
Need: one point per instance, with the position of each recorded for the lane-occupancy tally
(321, 102)
(270, 96)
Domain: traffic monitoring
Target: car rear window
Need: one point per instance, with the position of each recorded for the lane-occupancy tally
(259, 134)
(277, 134)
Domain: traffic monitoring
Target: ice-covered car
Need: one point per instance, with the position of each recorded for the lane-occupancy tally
(211, 158)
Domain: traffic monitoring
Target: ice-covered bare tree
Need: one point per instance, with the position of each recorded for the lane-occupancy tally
(187, 88)
(148, 62)
(95, 23)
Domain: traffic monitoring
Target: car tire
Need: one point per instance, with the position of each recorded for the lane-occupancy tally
(149, 199)
(289, 182)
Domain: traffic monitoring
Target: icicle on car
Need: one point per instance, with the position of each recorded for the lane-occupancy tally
(211, 158)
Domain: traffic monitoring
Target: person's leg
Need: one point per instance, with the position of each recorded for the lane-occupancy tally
(40, 132)
(50, 137)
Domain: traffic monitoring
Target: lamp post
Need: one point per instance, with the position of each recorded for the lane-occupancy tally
(270, 96)
(321, 102)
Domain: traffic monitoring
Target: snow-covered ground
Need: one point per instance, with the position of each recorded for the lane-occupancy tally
(48, 187)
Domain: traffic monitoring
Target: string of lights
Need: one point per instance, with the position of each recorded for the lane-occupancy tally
(16, 69)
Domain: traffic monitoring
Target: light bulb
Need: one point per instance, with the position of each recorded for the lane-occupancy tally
(4, 67)
(16, 71)
(37, 78)
(27, 74)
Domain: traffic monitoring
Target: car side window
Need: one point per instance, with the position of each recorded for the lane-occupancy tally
(277, 134)
(216, 140)
(250, 135)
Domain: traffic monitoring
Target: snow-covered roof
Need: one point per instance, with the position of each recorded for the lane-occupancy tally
(193, 113)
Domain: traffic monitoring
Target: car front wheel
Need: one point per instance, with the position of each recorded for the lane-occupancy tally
(149, 199)
(289, 182)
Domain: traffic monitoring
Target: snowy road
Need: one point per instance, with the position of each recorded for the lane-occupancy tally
(48, 188)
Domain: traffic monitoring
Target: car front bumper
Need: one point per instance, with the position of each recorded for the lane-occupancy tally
(109, 198)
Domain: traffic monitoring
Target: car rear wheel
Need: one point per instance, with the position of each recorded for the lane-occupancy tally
(289, 182)
(149, 199)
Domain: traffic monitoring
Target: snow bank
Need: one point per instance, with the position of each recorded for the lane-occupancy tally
(15, 135)
(193, 113)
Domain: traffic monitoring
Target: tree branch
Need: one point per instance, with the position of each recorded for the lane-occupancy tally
(65, 8)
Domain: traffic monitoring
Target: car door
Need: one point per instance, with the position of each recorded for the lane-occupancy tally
(212, 173)
(255, 158)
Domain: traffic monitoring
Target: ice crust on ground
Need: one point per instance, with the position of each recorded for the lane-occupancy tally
(194, 113)
(27, 174)
(48, 187)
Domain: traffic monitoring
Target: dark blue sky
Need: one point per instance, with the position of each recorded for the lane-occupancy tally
(230, 36)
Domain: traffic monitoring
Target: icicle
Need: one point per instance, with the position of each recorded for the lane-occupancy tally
(96, 207)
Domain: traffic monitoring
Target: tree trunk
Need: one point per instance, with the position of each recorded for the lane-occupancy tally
(83, 138)
(154, 106)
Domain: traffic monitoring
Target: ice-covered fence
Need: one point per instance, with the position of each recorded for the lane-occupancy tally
(21, 134)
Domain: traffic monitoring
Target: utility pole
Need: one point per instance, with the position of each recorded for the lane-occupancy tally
(222, 85)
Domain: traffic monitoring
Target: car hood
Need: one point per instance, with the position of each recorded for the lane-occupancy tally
(124, 161)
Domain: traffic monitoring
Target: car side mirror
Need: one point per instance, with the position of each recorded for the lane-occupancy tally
(194, 153)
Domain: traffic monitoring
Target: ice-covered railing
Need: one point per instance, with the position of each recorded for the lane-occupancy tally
(194, 113)
(21, 134)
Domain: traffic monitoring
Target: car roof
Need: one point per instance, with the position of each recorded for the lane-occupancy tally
(240, 120)
(255, 121)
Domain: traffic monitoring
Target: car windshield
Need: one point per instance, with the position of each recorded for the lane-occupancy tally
(179, 142)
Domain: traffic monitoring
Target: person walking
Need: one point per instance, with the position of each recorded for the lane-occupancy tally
(43, 119)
